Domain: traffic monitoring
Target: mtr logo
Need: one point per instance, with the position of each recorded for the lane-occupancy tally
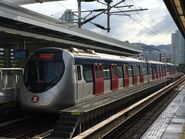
(34, 99)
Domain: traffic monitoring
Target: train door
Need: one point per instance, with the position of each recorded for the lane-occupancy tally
(125, 75)
(107, 80)
(101, 78)
(134, 81)
(156, 72)
(137, 72)
(162, 69)
(114, 77)
(165, 71)
(131, 75)
(141, 74)
(80, 82)
(88, 78)
(147, 73)
(120, 76)
(153, 73)
(168, 70)
(98, 79)
(160, 72)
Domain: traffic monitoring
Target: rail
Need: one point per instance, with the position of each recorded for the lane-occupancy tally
(102, 129)
(27, 126)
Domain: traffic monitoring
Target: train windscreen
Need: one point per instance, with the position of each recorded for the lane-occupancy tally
(43, 70)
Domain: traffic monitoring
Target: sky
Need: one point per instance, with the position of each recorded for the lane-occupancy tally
(153, 26)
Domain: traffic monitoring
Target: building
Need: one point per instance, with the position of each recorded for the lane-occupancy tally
(68, 16)
(178, 48)
(155, 53)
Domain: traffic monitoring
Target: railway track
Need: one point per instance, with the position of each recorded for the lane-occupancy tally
(27, 126)
(35, 125)
(136, 127)
(132, 121)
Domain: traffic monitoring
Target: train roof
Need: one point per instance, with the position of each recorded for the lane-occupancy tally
(170, 64)
(107, 57)
(155, 62)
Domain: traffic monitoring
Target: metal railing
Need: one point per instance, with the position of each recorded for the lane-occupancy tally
(10, 81)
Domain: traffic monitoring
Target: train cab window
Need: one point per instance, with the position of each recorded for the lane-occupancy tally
(106, 71)
(120, 71)
(130, 70)
(87, 71)
(137, 70)
(79, 72)
(43, 70)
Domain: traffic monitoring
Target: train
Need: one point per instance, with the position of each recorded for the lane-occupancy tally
(56, 78)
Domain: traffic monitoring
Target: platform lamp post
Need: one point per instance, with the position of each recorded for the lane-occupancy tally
(79, 10)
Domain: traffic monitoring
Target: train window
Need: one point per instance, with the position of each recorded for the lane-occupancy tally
(79, 72)
(87, 71)
(137, 70)
(120, 71)
(44, 69)
(106, 71)
(130, 70)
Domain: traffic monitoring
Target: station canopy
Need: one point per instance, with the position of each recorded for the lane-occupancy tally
(19, 2)
(177, 11)
(16, 22)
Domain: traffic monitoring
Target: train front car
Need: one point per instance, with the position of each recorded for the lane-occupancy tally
(48, 81)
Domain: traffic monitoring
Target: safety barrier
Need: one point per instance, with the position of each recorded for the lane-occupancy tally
(10, 82)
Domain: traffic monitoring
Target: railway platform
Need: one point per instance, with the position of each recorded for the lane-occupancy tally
(171, 123)
(83, 116)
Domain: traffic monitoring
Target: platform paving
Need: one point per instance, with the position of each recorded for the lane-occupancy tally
(171, 123)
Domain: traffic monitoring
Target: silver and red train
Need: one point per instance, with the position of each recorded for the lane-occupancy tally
(55, 78)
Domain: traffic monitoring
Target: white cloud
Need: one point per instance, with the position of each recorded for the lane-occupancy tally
(141, 27)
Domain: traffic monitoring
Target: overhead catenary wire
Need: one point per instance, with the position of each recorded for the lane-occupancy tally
(148, 29)
(129, 6)
(61, 5)
(144, 26)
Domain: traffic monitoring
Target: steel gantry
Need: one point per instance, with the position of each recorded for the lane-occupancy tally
(16, 22)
